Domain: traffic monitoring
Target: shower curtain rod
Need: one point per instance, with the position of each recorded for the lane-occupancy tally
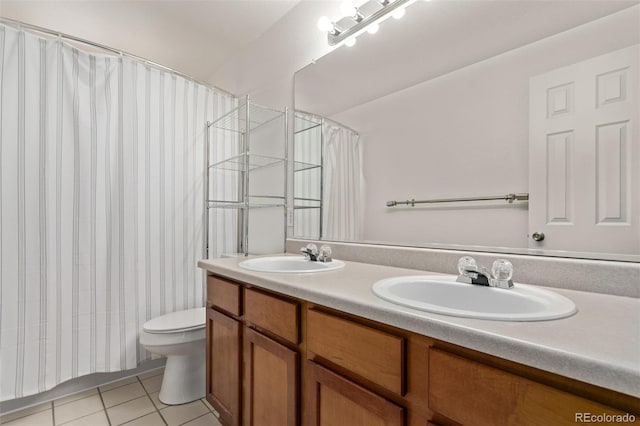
(24, 25)
(330, 120)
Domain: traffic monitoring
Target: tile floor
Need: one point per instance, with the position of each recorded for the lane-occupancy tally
(132, 401)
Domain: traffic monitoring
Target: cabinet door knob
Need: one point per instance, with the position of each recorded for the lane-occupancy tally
(537, 236)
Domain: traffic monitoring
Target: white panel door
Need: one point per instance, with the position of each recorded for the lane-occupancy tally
(584, 155)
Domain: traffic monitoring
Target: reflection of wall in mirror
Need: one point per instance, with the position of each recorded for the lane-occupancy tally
(466, 134)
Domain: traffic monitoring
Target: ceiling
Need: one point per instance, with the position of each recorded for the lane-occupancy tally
(193, 37)
(433, 39)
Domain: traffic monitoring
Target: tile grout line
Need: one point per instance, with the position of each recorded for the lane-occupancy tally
(75, 400)
(210, 407)
(117, 387)
(26, 415)
(195, 418)
(152, 403)
(201, 400)
(135, 418)
(148, 377)
(82, 417)
(104, 407)
(53, 414)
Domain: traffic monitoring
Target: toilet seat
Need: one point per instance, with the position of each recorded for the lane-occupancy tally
(177, 322)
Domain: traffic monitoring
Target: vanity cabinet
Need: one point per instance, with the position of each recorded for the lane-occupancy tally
(253, 360)
(276, 360)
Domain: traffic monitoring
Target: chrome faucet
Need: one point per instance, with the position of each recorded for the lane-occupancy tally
(312, 253)
(471, 273)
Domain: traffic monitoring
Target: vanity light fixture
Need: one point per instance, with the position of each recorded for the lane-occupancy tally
(357, 20)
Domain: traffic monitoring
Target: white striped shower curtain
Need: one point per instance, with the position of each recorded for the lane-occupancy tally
(101, 207)
(343, 186)
(339, 149)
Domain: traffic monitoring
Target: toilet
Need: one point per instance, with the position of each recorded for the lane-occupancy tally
(180, 336)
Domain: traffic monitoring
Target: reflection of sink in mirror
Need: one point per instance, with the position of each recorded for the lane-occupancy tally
(289, 265)
(441, 294)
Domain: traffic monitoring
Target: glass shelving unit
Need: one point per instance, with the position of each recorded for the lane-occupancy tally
(308, 175)
(260, 137)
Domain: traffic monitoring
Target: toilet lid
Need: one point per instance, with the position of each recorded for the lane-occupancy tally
(190, 319)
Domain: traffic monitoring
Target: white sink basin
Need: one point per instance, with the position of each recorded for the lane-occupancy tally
(441, 294)
(289, 265)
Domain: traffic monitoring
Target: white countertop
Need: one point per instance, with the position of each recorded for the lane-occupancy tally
(598, 345)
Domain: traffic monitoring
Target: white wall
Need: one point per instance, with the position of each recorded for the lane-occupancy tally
(188, 36)
(466, 134)
(265, 69)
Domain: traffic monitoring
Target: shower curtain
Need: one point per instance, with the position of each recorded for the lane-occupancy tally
(343, 186)
(101, 207)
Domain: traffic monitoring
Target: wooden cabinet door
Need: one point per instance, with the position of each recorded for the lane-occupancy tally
(271, 382)
(332, 400)
(223, 366)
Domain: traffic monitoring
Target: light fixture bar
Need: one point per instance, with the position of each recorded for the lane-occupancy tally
(359, 26)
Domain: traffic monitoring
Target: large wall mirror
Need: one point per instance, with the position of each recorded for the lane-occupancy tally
(471, 99)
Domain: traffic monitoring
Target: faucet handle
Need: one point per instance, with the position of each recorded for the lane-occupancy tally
(502, 270)
(466, 264)
(325, 253)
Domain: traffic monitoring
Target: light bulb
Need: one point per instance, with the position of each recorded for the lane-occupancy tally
(325, 24)
(398, 14)
(373, 28)
(350, 42)
(347, 8)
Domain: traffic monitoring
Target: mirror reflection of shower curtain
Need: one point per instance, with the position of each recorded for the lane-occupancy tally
(343, 184)
(101, 207)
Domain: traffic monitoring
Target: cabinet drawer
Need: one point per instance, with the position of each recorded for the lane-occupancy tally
(469, 392)
(373, 354)
(278, 316)
(223, 294)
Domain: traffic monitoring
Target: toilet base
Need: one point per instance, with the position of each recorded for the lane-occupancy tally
(184, 379)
